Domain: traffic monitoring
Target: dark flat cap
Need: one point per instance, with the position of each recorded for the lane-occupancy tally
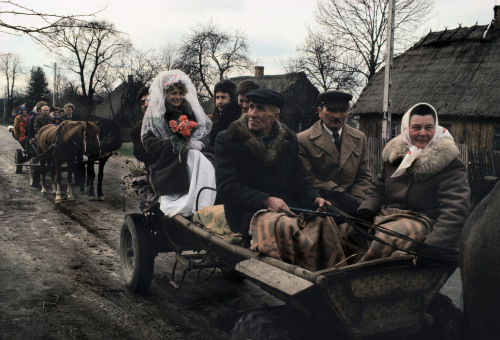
(334, 98)
(266, 96)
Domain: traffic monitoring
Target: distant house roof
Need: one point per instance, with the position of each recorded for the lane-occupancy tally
(457, 71)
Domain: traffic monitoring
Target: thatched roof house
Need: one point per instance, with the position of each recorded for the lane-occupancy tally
(457, 71)
(301, 96)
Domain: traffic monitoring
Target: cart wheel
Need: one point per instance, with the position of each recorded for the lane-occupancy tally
(263, 324)
(136, 254)
(18, 159)
(34, 175)
(447, 323)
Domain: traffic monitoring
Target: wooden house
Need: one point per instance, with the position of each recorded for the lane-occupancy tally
(457, 71)
(301, 96)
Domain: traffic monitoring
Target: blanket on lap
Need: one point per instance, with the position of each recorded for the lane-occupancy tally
(309, 241)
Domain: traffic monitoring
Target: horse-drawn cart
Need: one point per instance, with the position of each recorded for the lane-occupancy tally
(382, 298)
(23, 160)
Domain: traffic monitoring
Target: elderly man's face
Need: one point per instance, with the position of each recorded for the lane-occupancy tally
(333, 117)
(221, 98)
(69, 110)
(45, 110)
(261, 117)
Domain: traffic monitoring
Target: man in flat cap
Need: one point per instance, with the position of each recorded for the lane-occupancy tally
(335, 155)
(257, 164)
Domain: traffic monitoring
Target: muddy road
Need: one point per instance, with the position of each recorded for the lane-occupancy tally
(60, 274)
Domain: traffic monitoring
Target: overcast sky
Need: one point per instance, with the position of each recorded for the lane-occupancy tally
(273, 27)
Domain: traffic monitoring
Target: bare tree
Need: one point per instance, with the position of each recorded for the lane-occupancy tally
(209, 55)
(48, 21)
(144, 65)
(324, 64)
(10, 68)
(360, 27)
(89, 51)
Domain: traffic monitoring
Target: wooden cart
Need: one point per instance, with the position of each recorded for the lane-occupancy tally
(382, 299)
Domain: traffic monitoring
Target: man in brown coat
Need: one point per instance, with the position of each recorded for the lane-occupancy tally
(335, 155)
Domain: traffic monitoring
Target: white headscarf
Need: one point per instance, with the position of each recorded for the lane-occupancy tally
(413, 151)
(154, 117)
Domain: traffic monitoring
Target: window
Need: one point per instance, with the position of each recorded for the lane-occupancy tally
(446, 126)
(394, 129)
(496, 138)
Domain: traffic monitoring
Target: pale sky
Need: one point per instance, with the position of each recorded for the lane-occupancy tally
(273, 27)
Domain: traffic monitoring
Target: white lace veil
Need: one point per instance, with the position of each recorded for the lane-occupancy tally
(154, 117)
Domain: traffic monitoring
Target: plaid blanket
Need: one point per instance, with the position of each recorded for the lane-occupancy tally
(214, 219)
(406, 222)
(306, 240)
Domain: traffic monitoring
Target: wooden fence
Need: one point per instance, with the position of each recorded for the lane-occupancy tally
(481, 166)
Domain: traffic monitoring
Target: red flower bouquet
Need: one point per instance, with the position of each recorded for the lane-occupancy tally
(183, 129)
(183, 126)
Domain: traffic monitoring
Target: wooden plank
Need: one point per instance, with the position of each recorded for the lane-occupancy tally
(272, 277)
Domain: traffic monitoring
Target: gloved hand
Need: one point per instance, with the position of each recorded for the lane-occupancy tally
(347, 203)
(365, 214)
(196, 145)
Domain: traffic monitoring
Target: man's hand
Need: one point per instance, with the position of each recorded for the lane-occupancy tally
(321, 202)
(275, 204)
(348, 203)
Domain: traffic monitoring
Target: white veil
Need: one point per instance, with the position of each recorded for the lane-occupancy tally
(154, 117)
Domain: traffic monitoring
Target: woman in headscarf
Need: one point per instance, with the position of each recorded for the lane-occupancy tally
(179, 169)
(422, 190)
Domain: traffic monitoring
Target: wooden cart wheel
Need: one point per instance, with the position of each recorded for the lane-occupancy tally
(34, 175)
(263, 324)
(447, 321)
(136, 253)
(18, 160)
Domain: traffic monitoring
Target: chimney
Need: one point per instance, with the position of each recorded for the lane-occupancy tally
(259, 71)
(130, 79)
(496, 16)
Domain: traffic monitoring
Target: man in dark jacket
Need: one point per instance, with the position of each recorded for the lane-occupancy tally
(257, 164)
(70, 113)
(233, 110)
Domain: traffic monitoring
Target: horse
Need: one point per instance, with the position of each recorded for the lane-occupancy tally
(110, 140)
(62, 143)
(480, 260)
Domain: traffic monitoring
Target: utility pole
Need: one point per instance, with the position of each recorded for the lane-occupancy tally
(55, 83)
(386, 115)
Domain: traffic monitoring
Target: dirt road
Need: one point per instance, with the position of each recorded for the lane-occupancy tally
(60, 275)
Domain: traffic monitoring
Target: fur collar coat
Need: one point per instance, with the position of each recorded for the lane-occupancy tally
(429, 162)
(435, 185)
(248, 172)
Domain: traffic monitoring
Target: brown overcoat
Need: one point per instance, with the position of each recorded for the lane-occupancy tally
(435, 185)
(330, 171)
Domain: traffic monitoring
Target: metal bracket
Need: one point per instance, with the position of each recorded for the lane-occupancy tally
(196, 261)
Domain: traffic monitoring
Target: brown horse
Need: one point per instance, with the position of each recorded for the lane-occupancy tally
(62, 143)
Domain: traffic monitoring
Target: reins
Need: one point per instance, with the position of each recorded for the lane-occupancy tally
(436, 252)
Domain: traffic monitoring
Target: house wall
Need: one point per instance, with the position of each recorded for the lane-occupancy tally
(477, 133)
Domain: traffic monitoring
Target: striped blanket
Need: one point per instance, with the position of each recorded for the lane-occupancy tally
(306, 240)
(412, 224)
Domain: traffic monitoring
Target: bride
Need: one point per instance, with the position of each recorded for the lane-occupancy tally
(175, 131)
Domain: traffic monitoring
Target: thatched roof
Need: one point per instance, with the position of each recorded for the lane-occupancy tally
(457, 71)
